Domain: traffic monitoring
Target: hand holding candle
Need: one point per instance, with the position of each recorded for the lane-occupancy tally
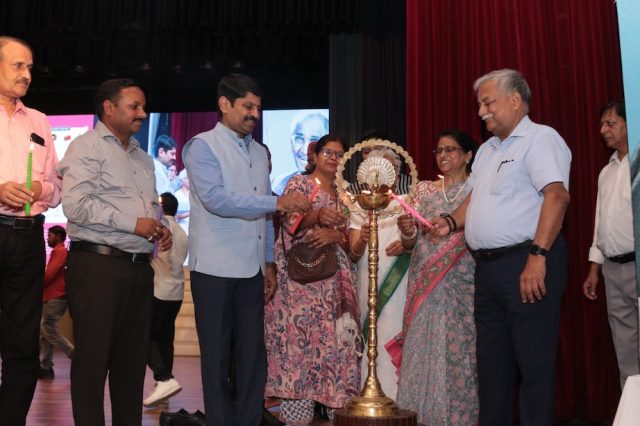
(311, 197)
(27, 206)
(411, 210)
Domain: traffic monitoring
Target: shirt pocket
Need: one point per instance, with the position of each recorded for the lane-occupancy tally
(506, 177)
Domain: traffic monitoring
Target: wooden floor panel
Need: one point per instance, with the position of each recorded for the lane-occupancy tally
(51, 404)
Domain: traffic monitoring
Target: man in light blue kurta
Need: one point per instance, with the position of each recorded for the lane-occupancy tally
(231, 246)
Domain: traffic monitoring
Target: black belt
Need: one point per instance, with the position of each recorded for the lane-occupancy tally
(493, 254)
(623, 258)
(19, 222)
(108, 251)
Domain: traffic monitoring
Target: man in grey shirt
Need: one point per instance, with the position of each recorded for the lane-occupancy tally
(109, 198)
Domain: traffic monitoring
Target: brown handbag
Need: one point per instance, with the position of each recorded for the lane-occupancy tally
(307, 264)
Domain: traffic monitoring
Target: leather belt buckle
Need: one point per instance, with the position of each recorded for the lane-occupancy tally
(23, 222)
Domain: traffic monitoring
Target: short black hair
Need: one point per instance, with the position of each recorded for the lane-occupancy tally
(617, 106)
(109, 90)
(59, 231)
(234, 86)
(331, 137)
(169, 204)
(165, 142)
(466, 142)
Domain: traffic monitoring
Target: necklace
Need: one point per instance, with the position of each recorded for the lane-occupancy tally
(444, 193)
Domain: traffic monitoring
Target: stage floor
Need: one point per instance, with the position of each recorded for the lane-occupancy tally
(52, 401)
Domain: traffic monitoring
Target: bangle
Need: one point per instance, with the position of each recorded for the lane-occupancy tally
(450, 221)
(412, 236)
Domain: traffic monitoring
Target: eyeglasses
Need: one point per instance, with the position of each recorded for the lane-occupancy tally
(447, 149)
(327, 153)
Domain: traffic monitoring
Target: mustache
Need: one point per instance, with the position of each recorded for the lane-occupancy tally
(251, 118)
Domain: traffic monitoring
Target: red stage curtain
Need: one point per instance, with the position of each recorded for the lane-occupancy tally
(568, 50)
(185, 125)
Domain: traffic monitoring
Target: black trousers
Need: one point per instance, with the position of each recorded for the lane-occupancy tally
(110, 302)
(163, 331)
(516, 338)
(22, 264)
(226, 307)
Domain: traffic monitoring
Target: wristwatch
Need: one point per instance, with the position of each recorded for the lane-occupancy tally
(536, 250)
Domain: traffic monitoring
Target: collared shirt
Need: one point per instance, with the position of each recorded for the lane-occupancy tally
(106, 189)
(163, 184)
(53, 285)
(613, 230)
(230, 198)
(168, 266)
(15, 135)
(508, 179)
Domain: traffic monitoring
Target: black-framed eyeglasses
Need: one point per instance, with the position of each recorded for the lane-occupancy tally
(327, 153)
(447, 149)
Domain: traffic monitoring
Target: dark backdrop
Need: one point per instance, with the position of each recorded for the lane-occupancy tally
(178, 50)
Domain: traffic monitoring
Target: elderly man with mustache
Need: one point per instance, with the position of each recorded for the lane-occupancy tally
(22, 252)
(512, 222)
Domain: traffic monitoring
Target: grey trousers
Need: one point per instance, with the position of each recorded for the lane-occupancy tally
(622, 310)
(52, 311)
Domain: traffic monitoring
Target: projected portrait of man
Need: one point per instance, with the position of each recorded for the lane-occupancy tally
(306, 127)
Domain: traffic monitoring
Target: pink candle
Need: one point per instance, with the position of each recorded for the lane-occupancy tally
(411, 210)
(311, 197)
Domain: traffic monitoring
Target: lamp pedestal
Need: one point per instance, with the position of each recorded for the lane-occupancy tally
(372, 407)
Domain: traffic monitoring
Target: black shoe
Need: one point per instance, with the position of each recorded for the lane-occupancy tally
(169, 419)
(46, 373)
(182, 418)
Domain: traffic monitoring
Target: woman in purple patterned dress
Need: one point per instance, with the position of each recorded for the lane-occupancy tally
(312, 330)
(438, 378)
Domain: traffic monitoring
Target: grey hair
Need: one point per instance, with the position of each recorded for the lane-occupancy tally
(508, 81)
(389, 154)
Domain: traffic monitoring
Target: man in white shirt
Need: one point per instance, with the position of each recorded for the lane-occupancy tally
(613, 245)
(168, 291)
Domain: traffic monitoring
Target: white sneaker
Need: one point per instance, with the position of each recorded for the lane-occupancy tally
(161, 392)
